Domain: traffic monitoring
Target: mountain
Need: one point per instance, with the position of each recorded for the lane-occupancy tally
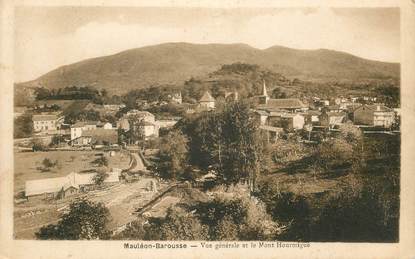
(173, 63)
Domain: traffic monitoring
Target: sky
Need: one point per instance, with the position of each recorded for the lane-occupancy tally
(49, 37)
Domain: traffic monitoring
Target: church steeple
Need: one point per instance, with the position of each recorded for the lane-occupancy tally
(264, 90)
(264, 97)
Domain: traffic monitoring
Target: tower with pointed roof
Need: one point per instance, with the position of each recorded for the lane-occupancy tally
(207, 101)
(263, 99)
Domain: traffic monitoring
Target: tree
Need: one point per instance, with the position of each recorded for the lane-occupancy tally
(56, 140)
(236, 219)
(38, 144)
(357, 217)
(178, 224)
(243, 146)
(173, 155)
(100, 177)
(341, 151)
(278, 93)
(228, 140)
(136, 132)
(23, 126)
(333, 154)
(48, 164)
(288, 209)
(101, 161)
(85, 220)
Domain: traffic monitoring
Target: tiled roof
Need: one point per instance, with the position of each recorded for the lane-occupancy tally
(52, 185)
(48, 185)
(207, 97)
(261, 112)
(378, 107)
(138, 113)
(288, 103)
(84, 123)
(110, 135)
(312, 112)
(44, 117)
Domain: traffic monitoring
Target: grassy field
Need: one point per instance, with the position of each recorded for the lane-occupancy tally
(121, 200)
(27, 164)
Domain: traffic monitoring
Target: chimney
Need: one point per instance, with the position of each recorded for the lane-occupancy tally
(378, 108)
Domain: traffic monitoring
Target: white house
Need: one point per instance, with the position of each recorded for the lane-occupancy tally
(47, 122)
(107, 126)
(79, 127)
(176, 98)
(295, 121)
(207, 102)
(149, 129)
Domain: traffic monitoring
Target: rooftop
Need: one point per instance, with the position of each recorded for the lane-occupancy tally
(378, 108)
(50, 185)
(100, 135)
(207, 97)
(288, 103)
(271, 128)
(45, 117)
(84, 123)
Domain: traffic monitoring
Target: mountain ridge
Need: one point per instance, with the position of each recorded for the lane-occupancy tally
(174, 63)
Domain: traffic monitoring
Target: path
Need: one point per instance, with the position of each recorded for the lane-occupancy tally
(138, 164)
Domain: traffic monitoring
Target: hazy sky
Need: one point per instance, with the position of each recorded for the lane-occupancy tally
(49, 37)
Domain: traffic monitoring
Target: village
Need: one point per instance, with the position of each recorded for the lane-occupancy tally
(120, 152)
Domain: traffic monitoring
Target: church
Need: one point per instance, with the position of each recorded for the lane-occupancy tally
(264, 102)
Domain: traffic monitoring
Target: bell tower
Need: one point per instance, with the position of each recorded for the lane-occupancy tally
(263, 99)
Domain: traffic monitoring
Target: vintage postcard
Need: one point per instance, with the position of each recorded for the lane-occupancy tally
(224, 129)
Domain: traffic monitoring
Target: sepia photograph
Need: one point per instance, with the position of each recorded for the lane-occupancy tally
(189, 124)
(221, 129)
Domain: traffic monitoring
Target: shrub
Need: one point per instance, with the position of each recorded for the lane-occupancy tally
(100, 161)
(85, 220)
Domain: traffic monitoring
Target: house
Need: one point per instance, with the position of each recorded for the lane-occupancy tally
(176, 98)
(123, 124)
(330, 119)
(231, 96)
(207, 102)
(47, 123)
(293, 121)
(97, 137)
(149, 129)
(272, 133)
(140, 115)
(107, 125)
(113, 107)
(312, 116)
(344, 105)
(166, 123)
(143, 119)
(374, 115)
(286, 104)
(287, 121)
(333, 108)
(261, 116)
(71, 184)
(79, 127)
(352, 106)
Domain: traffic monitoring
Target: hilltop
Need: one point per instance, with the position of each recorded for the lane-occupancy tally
(174, 63)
